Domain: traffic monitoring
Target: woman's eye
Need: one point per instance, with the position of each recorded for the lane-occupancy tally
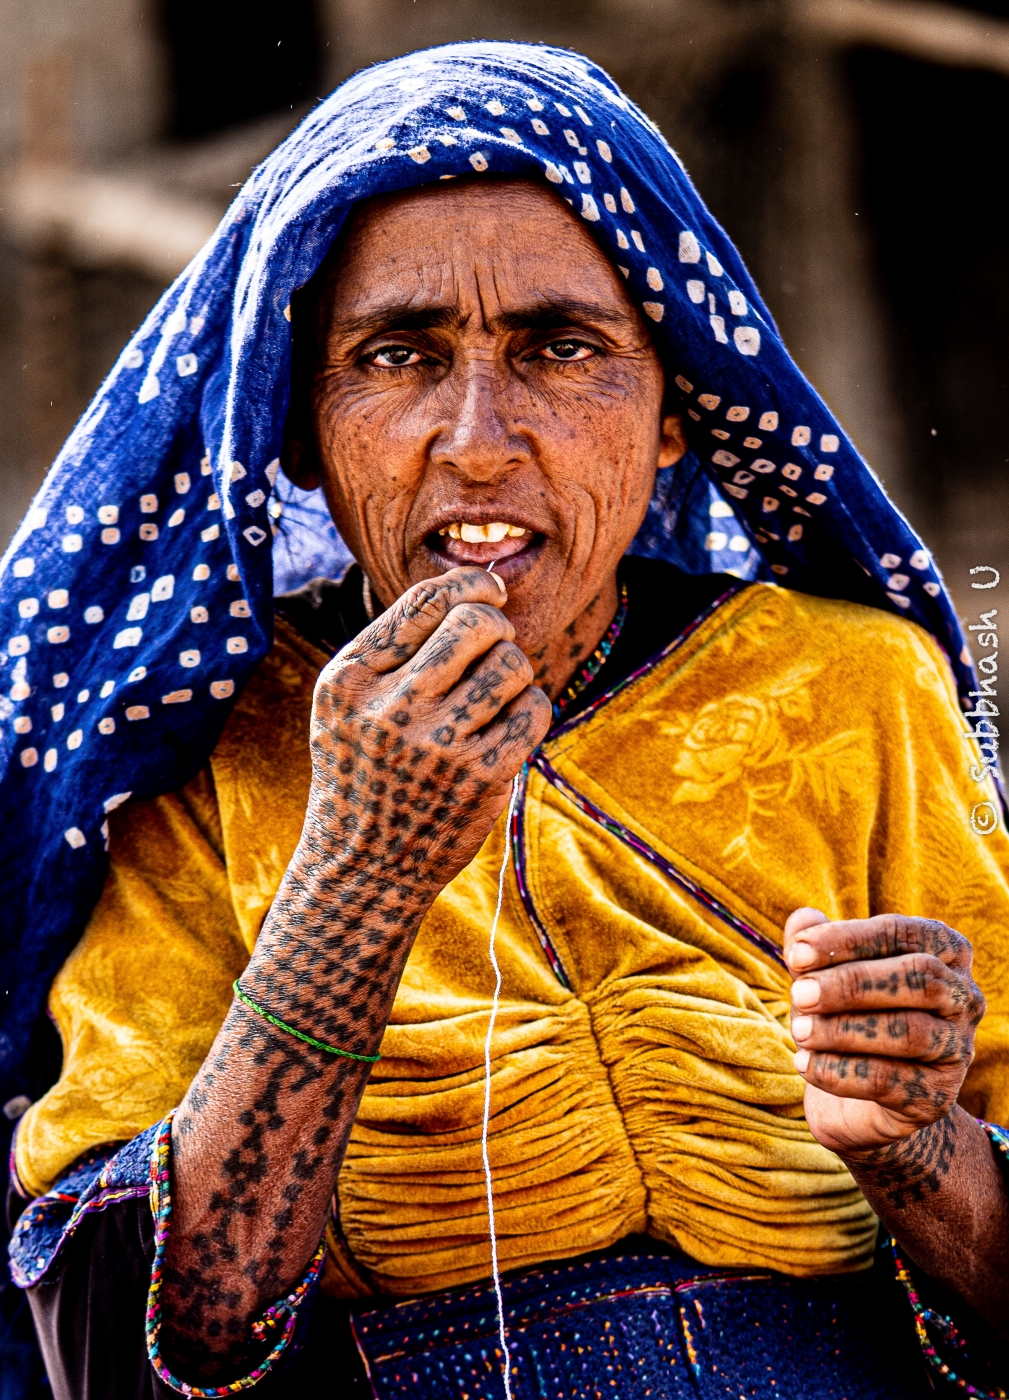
(567, 350)
(394, 357)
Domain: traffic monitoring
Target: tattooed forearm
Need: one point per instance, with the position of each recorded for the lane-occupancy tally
(913, 1169)
(940, 1193)
(394, 813)
(884, 1015)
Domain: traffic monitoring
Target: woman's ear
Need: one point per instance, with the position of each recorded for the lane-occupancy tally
(672, 443)
(300, 462)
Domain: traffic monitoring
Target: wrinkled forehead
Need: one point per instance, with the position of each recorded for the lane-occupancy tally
(495, 243)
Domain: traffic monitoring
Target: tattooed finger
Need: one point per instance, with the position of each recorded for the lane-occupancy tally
(404, 628)
(911, 1035)
(468, 633)
(498, 678)
(918, 1092)
(884, 936)
(508, 741)
(917, 981)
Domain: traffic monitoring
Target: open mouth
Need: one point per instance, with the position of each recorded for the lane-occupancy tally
(505, 543)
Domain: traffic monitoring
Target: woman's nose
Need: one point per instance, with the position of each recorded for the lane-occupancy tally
(478, 439)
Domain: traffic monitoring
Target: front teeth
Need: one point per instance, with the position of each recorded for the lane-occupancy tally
(479, 534)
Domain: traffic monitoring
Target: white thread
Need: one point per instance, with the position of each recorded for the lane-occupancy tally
(486, 1092)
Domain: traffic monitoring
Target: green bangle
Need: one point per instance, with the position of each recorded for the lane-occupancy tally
(300, 1035)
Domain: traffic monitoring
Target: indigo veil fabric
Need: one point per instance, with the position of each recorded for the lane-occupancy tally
(136, 597)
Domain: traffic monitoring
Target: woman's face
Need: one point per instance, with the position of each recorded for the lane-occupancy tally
(486, 391)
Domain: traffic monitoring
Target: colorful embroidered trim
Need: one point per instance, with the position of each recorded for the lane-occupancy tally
(100, 1177)
(641, 848)
(595, 662)
(519, 851)
(282, 1314)
(300, 1035)
(999, 1139)
(926, 1317)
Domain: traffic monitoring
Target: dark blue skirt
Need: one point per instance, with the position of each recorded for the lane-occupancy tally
(645, 1324)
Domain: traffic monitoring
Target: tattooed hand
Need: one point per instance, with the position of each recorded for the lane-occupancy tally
(883, 1014)
(418, 727)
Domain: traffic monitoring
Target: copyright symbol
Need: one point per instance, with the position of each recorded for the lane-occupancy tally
(984, 818)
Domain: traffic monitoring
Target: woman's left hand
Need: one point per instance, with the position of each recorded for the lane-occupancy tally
(884, 1012)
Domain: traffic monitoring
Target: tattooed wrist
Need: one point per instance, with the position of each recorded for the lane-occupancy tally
(908, 1172)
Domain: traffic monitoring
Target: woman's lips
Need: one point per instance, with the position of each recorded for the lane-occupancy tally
(483, 551)
(485, 542)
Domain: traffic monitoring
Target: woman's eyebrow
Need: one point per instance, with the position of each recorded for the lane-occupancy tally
(558, 312)
(549, 314)
(403, 316)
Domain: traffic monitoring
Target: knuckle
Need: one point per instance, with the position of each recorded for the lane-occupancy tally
(962, 950)
(969, 1000)
(483, 615)
(514, 659)
(905, 934)
(898, 1031)
(427, 597)
(851, 980)
(425, 603)
(351, 661)
(941, 941)
(469, 617)
(543, 710)
(898, 934)
(515, 729)
(909, 934)
(863, 1072)
(539, 697)
(872, 938)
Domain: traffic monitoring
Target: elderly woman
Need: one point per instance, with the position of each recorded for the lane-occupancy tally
(557, 948)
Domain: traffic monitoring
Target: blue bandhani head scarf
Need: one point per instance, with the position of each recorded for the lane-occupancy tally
(136, 597)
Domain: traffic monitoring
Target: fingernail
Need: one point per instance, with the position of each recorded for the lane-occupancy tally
(805, 992)
(802, 1027)
(802, 955)
(499, 581)
(802, 1060)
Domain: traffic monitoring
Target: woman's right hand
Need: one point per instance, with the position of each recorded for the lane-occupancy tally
(418, 727)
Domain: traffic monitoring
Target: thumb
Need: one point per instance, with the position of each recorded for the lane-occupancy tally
(796, 924)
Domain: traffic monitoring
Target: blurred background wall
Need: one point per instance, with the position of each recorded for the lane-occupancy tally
(854, 149)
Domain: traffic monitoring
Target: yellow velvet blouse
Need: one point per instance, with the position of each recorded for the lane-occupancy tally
(791, 751)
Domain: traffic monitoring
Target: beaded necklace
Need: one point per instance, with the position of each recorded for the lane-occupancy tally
(595, 662)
